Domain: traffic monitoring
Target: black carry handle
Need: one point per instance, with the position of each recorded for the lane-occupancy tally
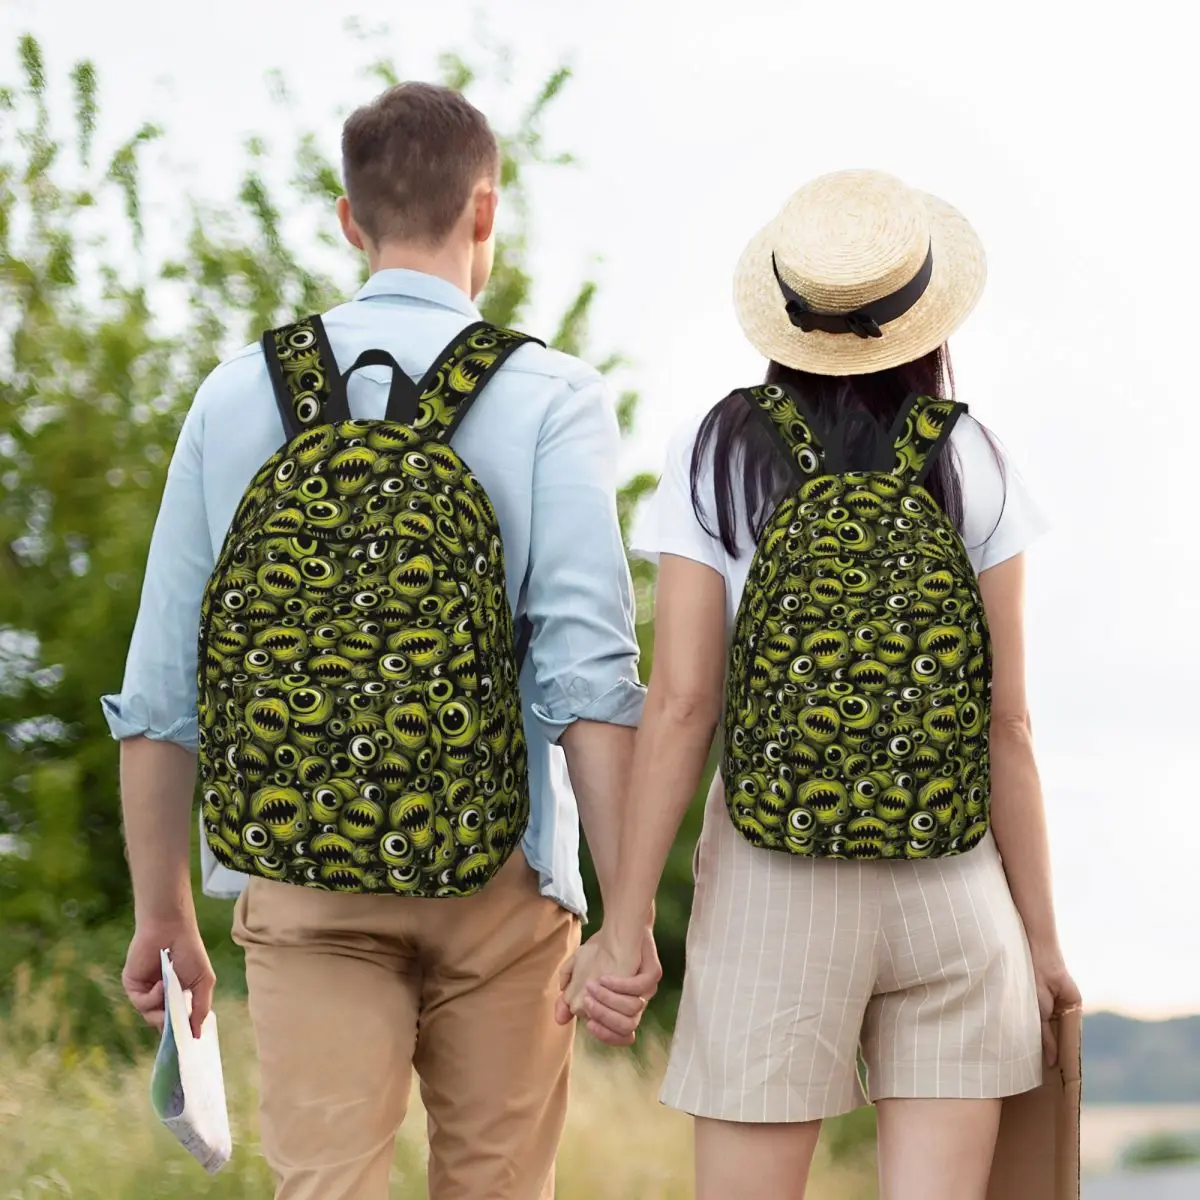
(403, 397)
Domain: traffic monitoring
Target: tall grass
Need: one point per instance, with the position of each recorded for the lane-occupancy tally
(76, 1122)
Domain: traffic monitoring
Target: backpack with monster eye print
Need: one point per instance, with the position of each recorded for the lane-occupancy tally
(859, 682)
(360, 722)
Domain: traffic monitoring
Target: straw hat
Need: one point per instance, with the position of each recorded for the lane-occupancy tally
(857, 273)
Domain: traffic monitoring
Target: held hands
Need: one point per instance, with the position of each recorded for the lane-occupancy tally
(609, 987)
(142, 976)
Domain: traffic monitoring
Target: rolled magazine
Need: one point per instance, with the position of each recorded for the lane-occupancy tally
(187, 1087)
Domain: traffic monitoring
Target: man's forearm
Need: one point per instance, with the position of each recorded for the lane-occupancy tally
(599, 758)
(157, 783)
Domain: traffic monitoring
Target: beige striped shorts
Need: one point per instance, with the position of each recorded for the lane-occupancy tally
(796, 966)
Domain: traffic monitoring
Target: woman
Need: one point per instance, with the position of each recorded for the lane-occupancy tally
(861, 887)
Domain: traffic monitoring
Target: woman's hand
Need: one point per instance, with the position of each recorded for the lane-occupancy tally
(1056, 992)
(610, 986)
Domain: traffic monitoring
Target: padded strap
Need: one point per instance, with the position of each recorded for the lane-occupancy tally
(785, 417)
(453, 383)
(304, 375)
(922, 428)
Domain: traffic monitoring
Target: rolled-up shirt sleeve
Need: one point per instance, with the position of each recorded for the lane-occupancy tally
(579, 595)
(158, 694)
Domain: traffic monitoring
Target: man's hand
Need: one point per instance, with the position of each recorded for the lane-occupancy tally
(142, 976)
(609, 989)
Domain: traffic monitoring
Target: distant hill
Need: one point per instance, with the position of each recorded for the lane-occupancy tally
(1140, 1062)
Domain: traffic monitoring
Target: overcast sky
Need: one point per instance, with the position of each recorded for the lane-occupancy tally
(1062, 133)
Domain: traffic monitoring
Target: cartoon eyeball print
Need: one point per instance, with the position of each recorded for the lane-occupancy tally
(856, 716)
(360, 723)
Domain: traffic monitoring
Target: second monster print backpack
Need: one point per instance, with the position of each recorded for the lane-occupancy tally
(360, 723)
(859, 683)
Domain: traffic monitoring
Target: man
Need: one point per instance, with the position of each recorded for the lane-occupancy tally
(348, 992)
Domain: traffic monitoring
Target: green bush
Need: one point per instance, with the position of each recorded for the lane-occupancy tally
(1162, 1149)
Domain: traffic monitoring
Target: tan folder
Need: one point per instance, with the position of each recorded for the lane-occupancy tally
(1037, 1152)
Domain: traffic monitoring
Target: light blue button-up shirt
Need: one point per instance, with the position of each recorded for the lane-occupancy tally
(542, 439)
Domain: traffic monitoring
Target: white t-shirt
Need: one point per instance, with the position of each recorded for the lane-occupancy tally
(999, 516)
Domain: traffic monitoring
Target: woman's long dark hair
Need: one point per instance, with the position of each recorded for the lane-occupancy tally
(861, 407)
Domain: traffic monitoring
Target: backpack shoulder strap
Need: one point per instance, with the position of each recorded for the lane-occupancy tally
(455, 380)
(304, 375)
(922, 428)
(784, 416)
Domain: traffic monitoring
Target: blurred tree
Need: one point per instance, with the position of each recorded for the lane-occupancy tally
(93, 386)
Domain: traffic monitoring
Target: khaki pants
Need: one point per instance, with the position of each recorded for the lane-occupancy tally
(348, 993)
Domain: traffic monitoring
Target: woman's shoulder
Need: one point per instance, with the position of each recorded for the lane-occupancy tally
(668, 522)
(970, 437)
(980, 458)
(1001, 518)
(685, 433)
(689, 457)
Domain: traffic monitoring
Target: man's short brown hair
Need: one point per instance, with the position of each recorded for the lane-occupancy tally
(410, 160)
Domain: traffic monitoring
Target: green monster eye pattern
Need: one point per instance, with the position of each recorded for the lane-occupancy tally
(859, 683)
(360, 717)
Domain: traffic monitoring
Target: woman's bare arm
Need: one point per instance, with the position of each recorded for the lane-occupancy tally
(1018, 812)
(683, 705)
